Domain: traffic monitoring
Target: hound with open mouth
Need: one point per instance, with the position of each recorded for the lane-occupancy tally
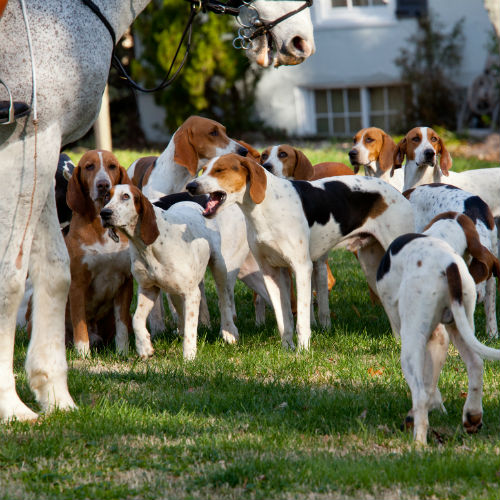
(293, 223)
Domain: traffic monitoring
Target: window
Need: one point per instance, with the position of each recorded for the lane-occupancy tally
(354, 13)
(342, 112)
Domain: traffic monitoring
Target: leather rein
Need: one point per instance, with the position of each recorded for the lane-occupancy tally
(250, 30)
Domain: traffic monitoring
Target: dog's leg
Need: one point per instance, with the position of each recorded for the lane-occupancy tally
(278, 288)
(191, 308)
(46, 364)
(204, 312)
(472, 417)
(176, 303)
(156, 318)
(174, 309)
(303, 275)
(490, 308)
(413, 343)
(260, 309)
(435, 356)
(228, 329)
(321, 282)
(122, 302)
(145, 301)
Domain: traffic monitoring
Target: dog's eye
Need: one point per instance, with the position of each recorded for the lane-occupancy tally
(282, 154)
(434, 139)
(214, 133)
(112, 167)
(125, 196)
(264, 156)
(416, 139)
(90, 167)
(368, 140)
(217, 170)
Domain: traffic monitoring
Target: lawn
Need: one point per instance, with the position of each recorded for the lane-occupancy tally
(254, 420)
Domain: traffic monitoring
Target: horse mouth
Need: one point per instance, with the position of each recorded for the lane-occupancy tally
(214, 202)
(265, 53)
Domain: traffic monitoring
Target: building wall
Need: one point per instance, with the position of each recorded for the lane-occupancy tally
(359, 51)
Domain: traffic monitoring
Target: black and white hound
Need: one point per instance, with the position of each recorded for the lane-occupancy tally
(429, 295)
(293, 223)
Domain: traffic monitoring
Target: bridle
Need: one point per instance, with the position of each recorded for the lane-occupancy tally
(251, 27)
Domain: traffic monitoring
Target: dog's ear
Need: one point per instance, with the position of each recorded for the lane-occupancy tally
(77, 197)
(483, 261)
(445, 161)
(147, 219)
(386, 156)
(258, 179)
(185, 154)
(124, 178)
(399, 155)
(303, 167)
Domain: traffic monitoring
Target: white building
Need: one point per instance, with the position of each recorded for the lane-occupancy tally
(352, 81)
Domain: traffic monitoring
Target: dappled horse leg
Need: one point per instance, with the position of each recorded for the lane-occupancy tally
(49, 270)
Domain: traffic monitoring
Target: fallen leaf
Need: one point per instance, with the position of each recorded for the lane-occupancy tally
(376, 372)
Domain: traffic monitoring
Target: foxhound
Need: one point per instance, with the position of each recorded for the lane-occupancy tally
(430, 295)
(291, 163)
(101, 284)
(422, 147)
(169, 250)
(373, 150)
(293, 223)
(429, 200)
(192, 145)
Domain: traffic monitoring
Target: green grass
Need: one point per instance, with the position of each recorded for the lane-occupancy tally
(254, 420)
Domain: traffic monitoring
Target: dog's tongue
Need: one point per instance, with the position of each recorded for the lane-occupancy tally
(211, 206)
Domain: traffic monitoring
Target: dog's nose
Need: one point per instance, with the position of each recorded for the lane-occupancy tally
(103, 185)
(353, 154)
(106, 213)
(429, 154)
(242, 151)
(268, 166)
(192, 187)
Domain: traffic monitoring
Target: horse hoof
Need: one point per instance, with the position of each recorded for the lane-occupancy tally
(408, 423)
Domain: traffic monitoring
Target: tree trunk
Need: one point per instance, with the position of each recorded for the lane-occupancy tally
(493, 8)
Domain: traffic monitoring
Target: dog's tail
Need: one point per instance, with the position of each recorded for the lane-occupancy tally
(457, 308)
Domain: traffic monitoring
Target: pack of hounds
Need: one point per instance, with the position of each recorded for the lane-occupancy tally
(425, 237)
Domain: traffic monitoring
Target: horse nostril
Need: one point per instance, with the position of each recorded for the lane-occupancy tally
(299, 44)
(192, 187)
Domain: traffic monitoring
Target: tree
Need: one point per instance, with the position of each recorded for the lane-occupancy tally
(217, 81)
(493, 8)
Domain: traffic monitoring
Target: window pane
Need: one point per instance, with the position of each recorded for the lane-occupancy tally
(380, 2)
(353, 100)
(377, 99)
(337, 101)
(354, 124)
(377, 121)
(395, 98)
(322, 126)
(321, 103)
(339, 3)
(360, 3)
(339, 126)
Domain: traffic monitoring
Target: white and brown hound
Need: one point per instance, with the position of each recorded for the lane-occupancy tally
(429, 200)
(101, 284)
(293, 223)
(290, 163)
(170, 250)
(429, 295)
(373, 150)
(422, 146)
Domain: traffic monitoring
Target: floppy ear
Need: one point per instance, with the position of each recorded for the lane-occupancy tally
(445, 161)
(258, 179)
(185, 154)
(124, 178)
(399, 155)
(303, 167)
(483, 261)
(147, 219)
(386, 157)
(76, 196)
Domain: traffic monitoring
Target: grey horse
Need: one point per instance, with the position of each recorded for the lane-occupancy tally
(72, 52)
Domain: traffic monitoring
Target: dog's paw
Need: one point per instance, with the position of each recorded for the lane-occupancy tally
(144, 349)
